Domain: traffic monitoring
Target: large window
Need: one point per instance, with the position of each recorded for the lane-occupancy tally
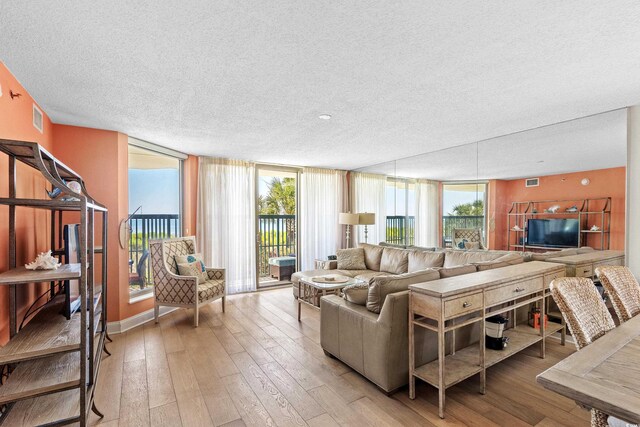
(463, 206)
(155, 186)
(400, 197)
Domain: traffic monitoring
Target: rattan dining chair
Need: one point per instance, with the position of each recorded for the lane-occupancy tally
(587, 317)
(623, 289)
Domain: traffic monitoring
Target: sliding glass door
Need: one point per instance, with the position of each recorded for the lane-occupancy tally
(276, 224)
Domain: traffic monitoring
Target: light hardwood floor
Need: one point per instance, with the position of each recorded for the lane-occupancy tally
(257, 365)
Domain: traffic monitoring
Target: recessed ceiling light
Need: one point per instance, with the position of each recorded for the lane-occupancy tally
(324, 116)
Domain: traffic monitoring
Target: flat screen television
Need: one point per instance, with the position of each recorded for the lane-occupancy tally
(553, 233)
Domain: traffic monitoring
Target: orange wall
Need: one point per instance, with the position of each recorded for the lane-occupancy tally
(100, 157)
(32, 226)
(604, 183)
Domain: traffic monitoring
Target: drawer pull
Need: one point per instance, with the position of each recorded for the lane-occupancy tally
(518, 290)
(466, 304)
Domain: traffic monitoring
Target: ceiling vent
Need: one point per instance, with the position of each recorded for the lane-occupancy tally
(532, 182)
(37, 118)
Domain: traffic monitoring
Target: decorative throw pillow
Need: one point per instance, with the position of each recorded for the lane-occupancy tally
(462, 243)
(382, 286)
(471, 245)
(184, 259)
(193, 269)
(351, 259)
(356, 293)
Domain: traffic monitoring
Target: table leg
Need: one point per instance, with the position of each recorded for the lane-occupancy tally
(483, 349)
(412, 362)
(543, 314)
(441, 356)
(300, 295)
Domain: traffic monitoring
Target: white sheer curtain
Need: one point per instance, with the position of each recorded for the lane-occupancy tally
(427, 209)
(369, 196)
(226, 220)
(323, 195)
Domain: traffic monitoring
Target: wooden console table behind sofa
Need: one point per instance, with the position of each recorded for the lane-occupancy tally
(444, 305)
(584, 265)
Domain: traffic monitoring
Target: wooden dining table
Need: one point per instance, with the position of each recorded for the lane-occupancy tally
(604, 375)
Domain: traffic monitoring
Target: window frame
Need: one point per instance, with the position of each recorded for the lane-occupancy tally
(138, 295)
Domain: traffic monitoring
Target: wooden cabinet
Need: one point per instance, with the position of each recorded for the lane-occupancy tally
(446, 305)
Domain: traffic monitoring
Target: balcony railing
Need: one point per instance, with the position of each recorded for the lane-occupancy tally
(449, 222)
(400, 230)
(145, 227)
(277, 238)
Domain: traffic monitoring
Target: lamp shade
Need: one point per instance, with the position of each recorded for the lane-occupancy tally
(366, 218)
(348, 219)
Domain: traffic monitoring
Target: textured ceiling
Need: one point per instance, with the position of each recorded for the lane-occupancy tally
(248, 79)
(595, 142)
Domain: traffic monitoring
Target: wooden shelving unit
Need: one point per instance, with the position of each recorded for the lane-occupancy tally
(53, 363)
(590, 212)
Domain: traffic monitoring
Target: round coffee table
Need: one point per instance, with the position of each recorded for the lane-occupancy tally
(310, 290)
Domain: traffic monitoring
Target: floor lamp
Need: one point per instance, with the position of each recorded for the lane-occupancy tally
(365, 219)
(348, 219)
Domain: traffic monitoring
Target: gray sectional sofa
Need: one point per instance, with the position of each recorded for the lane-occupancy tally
(367, 328)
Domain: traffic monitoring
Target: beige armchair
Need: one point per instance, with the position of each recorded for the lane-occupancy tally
(173, 290)
(471, 235)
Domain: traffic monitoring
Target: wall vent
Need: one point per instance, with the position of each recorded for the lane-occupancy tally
(532, 182)
(37, 118)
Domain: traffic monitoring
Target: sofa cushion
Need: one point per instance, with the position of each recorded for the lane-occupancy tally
(471, 245)
(372, 256)
(455, 258)
(456, 271)
(382, 286)
(554, 254)
(420, 248)
(391, 245)
(502, 261)
(489, 265)
(394, 261)
(511, 258)
(351, 259)
(356, 293)
(419, 260)
(368, 275)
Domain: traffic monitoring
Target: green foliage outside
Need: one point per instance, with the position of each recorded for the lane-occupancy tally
(281, 198)
(475, 208)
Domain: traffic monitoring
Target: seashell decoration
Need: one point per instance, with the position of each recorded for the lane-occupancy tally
(74, 186)
(44, 261)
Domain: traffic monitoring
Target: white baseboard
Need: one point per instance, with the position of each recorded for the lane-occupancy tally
(139, 319)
